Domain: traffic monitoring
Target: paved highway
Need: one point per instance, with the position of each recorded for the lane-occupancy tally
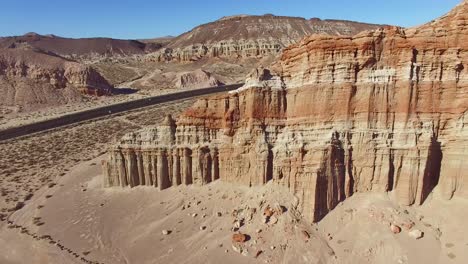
(86, 115)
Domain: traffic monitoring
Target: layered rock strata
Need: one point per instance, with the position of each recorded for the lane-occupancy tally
(382, 111)
(250, 36)
(29, 78)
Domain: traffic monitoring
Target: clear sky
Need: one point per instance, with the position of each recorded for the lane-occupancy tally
(128, 19)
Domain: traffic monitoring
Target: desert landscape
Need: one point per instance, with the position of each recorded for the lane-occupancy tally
(346, 143)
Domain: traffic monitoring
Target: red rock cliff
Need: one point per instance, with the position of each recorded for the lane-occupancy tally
(381, 111)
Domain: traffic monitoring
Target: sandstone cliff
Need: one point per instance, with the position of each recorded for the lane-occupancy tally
(250, 36)
(29, 78)
(383, 111)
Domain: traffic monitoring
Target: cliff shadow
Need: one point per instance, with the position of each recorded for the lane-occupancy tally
(269, 168)
(330, 179)
(432, 169)
(118, 91)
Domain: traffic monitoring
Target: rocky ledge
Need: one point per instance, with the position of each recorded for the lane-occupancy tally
(383, 111)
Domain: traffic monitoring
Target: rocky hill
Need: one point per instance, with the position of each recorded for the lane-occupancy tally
(31, 79)
(382, 111)
(81, 48)
(251, 36)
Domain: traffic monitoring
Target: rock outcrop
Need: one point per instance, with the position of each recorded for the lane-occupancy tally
(250, 36)
(196, 79)
(29, 78)
(383, 111)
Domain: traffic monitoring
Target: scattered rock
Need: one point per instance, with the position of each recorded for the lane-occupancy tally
(408, 225)
(259, 252)
(166, 232)
(416, 234)
(239, 238)
(236, 248)
(305, 234)
(238, 224)
(202, 228)
(268, 212)
(278, 209)
(258, 231)
(395, 229)
(273, 220)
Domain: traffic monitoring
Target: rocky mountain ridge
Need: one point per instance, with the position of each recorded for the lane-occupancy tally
(382, 111)
(81, 48)
(250, 36)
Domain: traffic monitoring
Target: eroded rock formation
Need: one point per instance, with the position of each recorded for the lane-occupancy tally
(382, 111)
(28, 78)
(196, 79)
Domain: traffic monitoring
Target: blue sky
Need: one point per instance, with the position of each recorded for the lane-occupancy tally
(128, 19)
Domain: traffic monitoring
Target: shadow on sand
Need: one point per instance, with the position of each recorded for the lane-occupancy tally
(124, 91)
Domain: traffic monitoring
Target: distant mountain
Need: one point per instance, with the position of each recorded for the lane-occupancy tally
(80, 48)
(251, 36)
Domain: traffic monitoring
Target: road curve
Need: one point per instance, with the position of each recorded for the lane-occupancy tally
(86, 115)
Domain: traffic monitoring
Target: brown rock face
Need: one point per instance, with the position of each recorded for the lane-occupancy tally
(250, 36)
(381, 111)
(29, 78)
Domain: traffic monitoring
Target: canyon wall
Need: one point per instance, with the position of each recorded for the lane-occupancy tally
(383, 111)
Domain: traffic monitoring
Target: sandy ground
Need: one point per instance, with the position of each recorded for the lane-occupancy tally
(125, 226)
(360, 231)
(77, 221)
